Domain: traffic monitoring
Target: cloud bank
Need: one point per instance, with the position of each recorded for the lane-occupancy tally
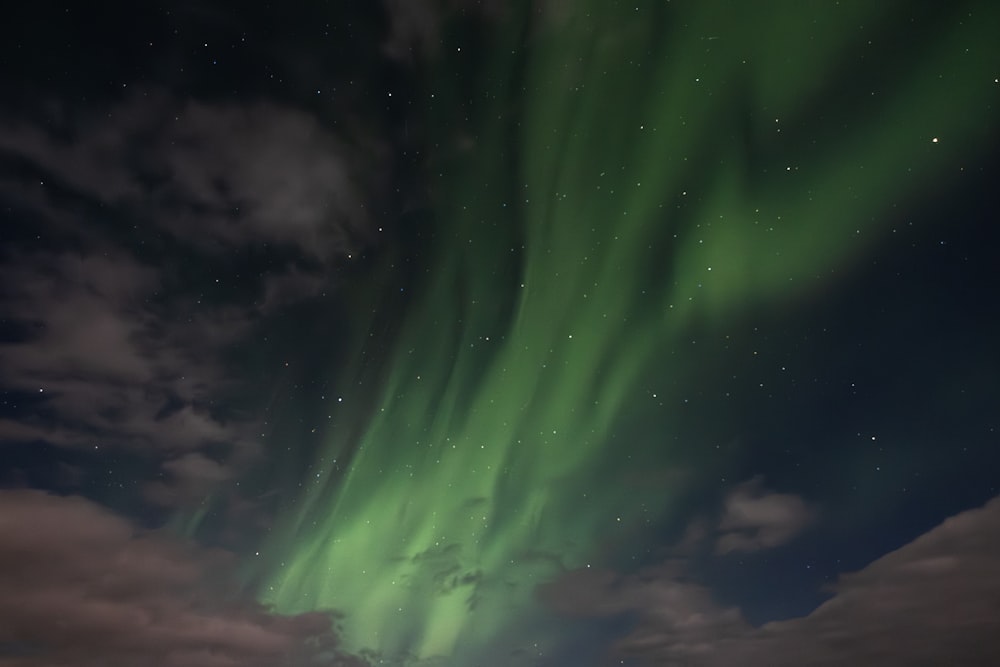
(81, 587)
(934, 601)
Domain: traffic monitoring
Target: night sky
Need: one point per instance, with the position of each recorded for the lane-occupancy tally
(454, 333)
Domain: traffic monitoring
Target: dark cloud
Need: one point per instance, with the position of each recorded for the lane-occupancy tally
(80, 586)
(442, 570)
(934, 601)
(190, 478)
(107, 369)
(676, 619)
(212, 175)
(752, 518)
(415, 26)
(414, 29)
(122, 349)
(262, 173)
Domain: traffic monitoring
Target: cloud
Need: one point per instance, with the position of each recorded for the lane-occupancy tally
(104, 365)
(87, 310)
(82, 587)
(934, 601)
(756, 519)
(103, 361)
(212, 175)
(191, 477)
(675, 618)
(415, 26)
(262, 173)
(123, 349)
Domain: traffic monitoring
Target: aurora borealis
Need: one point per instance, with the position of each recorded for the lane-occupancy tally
(527, 333)
(581, 243)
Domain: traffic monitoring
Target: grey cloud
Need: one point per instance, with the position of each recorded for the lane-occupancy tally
(934, 601)
(756, 519)
(82, 587)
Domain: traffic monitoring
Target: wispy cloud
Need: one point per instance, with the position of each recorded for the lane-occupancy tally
(109, 370)
(214, 175)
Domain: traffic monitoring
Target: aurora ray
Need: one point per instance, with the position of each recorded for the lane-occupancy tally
(603, 199)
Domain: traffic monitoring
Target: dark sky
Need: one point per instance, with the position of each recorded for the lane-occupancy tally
(482, 334)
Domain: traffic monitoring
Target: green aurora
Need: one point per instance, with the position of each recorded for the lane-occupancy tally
(620, 177)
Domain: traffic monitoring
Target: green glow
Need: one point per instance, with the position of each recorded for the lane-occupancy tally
(622, 181)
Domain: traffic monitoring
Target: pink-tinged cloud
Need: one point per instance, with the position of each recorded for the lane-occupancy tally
(934, 601)
(756, 519)
(82, 586)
